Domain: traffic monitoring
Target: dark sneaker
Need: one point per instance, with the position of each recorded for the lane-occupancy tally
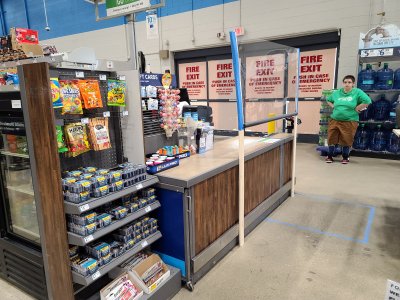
(329, 160)
(345, 161)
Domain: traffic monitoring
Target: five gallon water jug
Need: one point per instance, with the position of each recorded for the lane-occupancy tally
(361, 139)
(378, 142)
(395, 108)
(393, 143)
(396, 84)
(381, 109)
(384, 78)
(366, 114)
(366, 78)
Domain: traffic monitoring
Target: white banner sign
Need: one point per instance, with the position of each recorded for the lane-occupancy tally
(118, 7)
(152, 27)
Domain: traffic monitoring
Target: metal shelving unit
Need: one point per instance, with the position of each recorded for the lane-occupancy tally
(73, 208)
(75, 239)
(87, 280)
(8, 153)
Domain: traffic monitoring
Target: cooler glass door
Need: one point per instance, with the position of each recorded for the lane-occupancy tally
(16, 177)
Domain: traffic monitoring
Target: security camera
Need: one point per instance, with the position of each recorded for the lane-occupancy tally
(47, 28)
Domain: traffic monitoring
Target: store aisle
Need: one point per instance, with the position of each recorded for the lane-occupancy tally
(337, 239)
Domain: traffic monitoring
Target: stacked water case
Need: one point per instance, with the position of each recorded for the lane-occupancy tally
(379, 77)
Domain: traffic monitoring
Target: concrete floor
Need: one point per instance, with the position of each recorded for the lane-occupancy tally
(337, 239)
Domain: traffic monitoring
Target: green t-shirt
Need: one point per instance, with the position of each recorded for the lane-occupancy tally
(345, 104)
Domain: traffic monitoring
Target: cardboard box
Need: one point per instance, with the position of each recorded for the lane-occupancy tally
(30, 49)
(140, 269)
(110, 292)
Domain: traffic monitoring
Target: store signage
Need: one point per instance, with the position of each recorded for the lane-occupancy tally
(377, 52)
(221, 80)
(117, 7)
(317, 73)
(239, 31)
(392, 290)
(152, 27)
(193, 77)
(381, 36)
(153, 79)
(265, 76)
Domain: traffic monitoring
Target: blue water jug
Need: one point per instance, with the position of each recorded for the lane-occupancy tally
(361, 140)
(366, 114)
(384, 78)
(393, 143)
(378, 142)
(396, 83)
(366, 78)
(395, 108)
(381, 109)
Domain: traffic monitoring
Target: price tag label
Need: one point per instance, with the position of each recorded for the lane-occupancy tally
(147, 209)
(377, 52)
(79, 74)
(84, 208)
(85, 120)
(96, 275)
(121, 77)
(106, 114)
(139, 186)
(16, 104)
(125, 113)
(88, 239)
(145, 244)
(103, 77)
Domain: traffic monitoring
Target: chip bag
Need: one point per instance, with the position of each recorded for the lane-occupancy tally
(90, 92)
(60, 140)
(55, 93)
(77, 139)
(116, 93)
(98, 134)
(70, 95)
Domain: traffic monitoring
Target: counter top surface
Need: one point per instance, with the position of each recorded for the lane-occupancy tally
(224, 156)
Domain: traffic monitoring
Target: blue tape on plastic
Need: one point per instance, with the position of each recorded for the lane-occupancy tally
(238, 79)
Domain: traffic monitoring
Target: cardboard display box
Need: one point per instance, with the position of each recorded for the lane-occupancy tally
(141, 268)
(31, 48)
(117, 290)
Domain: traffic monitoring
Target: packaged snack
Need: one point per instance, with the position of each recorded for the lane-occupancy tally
(90, 92)
(70, 95)
(60, 140)
(55, 93)
(98, 134)
(85, 265)
(116, 93)
(76, 198)
(84, 219)
(100, 192)
(76, 138)
(98, 250)
(119, 212)
(103, 220)
(116, 186)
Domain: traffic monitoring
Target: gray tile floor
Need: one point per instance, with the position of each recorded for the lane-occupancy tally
(337, 239)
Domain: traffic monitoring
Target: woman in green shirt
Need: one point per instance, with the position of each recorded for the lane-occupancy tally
(347, 103)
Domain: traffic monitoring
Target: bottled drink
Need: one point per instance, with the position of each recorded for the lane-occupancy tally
(395, 108)
(396, 84)
(361, 139)
(366, 78)
(384, 78)
(381, 109)
(393, 143)
(378, 142)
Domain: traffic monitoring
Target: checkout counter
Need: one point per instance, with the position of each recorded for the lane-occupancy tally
(199, 200)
